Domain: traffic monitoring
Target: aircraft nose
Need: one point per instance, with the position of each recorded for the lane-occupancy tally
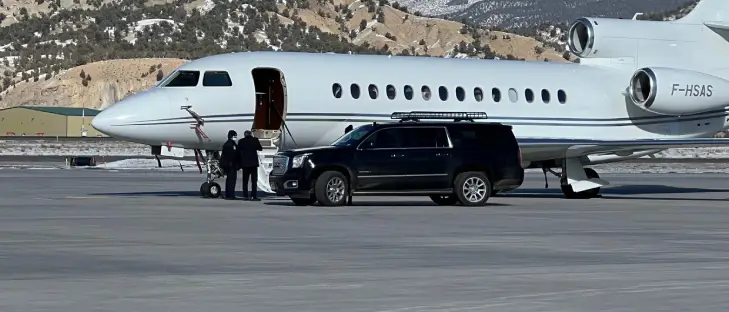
(119, 119)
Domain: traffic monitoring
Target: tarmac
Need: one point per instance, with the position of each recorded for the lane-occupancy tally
(82, 240)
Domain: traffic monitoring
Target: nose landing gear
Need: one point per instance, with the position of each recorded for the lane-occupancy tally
(210, 188)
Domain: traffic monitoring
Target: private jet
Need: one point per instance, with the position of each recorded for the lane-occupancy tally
(640, 87)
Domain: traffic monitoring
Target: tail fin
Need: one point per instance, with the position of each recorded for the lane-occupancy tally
(708, 11)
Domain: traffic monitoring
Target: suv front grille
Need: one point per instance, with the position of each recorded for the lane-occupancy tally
(280, 165)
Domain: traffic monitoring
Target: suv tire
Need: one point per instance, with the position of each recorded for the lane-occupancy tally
(444, 200)
(472, 188)
(331, 188)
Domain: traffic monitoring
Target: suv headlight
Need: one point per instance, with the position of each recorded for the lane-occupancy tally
(299, 160)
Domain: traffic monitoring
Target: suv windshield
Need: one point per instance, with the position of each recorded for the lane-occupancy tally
(353, 136)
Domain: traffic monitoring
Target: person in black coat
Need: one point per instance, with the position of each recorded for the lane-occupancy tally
(248, 148)
(229, 163)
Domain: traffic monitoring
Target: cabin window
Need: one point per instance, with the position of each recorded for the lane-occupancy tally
(216, 79)
(426, 93)
(545, 96)
(478, 94)
(513, 95)
(529, 95)
(561, 96)
(337, 90)
(443, 93)
(496, 95)
(372, 89)
(460, 94)
(184, 78)
(408, 90)
(354, 89)
(391, 92)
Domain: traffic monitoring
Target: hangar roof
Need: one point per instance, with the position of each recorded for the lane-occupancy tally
(65, 111)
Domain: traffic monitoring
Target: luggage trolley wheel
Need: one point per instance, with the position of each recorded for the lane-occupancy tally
(210, 190)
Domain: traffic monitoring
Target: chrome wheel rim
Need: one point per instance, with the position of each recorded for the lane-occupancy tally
(335, 189)
(474, 189)
(214, 190)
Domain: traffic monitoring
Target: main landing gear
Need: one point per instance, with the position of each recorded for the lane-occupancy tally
(576, 181)
(210, 188)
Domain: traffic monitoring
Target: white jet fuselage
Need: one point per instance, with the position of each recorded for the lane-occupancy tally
(540, 99)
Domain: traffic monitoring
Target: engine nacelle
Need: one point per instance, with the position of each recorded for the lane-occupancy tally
(590, 37)
(671, 91)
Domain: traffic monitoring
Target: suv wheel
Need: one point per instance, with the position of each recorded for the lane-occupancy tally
(331, 188)
(472, 188)
(444, 200)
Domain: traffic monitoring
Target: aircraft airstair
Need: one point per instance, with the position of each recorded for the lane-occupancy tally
(269, 139)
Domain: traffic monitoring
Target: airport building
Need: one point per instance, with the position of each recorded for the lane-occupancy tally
(48, 121)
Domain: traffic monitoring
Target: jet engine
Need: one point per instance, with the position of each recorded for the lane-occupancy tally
(671, 91)
(590, 37)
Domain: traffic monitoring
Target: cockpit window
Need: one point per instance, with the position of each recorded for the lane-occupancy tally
(352, 137)
(184, 78)
(216, 79)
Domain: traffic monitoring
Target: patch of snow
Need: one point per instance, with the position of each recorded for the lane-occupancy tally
(142, 24)
(705, 152)
(206, 7)
(680, 168)
(151, 164)
(77, 148)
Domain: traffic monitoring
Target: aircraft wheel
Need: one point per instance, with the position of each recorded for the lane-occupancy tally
(304, 201)
(569, 193)
(204, 190)
(472, 188)
(331, 188)
(444, 200)
(212, 190)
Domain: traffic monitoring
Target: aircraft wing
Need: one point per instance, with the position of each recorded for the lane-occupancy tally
(576, 148)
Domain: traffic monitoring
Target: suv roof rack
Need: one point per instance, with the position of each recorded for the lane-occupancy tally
(456, 116)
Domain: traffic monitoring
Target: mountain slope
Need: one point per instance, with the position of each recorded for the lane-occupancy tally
(103, 83)
(530, 13)
(59, 37)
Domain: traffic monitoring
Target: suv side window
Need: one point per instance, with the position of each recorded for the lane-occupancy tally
(480, 137)
(386, 138)
(426, 137)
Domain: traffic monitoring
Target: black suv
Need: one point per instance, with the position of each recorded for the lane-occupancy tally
(451, 161)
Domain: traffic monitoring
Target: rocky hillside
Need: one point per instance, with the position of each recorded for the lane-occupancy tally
(44, 45)
(531, 13)
(95, 85)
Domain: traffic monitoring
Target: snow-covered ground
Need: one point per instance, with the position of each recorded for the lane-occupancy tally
(74, 148)
(116, 148)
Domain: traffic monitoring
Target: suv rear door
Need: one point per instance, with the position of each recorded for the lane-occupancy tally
(428, 157)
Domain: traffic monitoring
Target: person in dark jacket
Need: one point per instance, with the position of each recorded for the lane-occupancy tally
(248, 148)
(229, 163)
